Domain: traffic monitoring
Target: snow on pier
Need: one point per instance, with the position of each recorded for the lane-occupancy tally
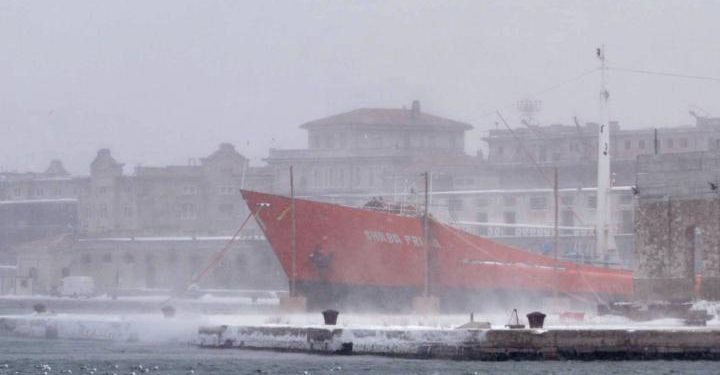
(491, 344)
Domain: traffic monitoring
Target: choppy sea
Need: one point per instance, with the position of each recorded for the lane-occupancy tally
(40, 356)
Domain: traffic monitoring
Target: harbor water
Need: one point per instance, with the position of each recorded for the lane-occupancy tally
(39, 356)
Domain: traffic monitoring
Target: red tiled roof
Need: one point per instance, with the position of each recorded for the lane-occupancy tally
(386, 116)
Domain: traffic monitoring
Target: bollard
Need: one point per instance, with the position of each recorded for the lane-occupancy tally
(168, 311)
(330, 317)
(536, 319)
(39, 308)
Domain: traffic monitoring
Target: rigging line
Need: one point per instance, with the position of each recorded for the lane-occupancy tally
(546, 89)
(665, 74)
(218, 256)
(535, 164)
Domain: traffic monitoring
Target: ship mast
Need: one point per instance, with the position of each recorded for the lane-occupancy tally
(604, 244)
(426, 239)
(292, 234)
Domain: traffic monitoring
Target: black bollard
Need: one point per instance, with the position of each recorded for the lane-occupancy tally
(536, 319)
(330, 317)
(39, 308)
(168, 311)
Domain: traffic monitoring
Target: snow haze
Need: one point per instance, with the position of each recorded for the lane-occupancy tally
(163, 81)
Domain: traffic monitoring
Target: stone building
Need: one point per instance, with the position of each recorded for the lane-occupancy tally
(678, 226)
(37, 205)
(372, 150)
(120, 264)
(202, 198)
(525, 218)
(515, 156)
(157, 226)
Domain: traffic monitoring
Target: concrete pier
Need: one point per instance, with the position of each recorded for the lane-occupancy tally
(485, 345)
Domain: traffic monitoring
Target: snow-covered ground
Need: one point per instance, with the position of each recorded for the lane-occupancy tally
(154, 327)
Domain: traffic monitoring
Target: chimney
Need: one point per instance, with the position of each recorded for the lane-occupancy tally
(415, 110)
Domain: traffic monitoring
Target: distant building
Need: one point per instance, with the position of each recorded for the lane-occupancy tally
(37, 205)
(202, 198)
(371, 150)
(154, 228)
(119, 264)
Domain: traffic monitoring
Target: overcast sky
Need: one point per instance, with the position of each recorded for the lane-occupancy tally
(159, 82)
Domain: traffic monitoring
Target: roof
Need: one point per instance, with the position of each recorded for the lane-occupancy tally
(387, 117)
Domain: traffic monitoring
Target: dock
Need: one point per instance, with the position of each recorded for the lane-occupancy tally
(482, 345)
(554, 343)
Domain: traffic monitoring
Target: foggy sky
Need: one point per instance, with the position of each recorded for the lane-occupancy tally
(159, 82)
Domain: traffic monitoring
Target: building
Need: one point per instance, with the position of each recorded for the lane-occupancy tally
(37, 205)
(371, 150)
(678, 227)
(202, 198)
(150, 229)
(123, 264)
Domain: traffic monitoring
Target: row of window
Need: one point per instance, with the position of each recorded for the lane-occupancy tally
(567, 219)
(535, 202)
(40, 192)
(172, 258)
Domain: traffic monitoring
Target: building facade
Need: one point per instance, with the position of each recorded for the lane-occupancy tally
(157, 226)
(371, 150)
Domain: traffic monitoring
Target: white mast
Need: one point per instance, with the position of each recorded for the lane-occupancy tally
(605, 242)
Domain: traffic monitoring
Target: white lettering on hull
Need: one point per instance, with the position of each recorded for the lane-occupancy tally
(392, 238)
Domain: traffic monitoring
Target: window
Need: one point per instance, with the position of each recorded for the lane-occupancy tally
(500, 150)
(192, 190)
(107, 258)
(103, 211)
(226, 209)
(683, 142)
(86, 258)
(538, 203)
(241, 261)
(129, 258)
(567, 200)
(455, 204)
(227, 190)
(626, 222)
(669, 143)
(127, 211)
(482, 217)
(509, 200)
(567, 219)
(641, 144)
(509, 218)
(592, 202)
(481, 202)
(187, 211)
(628, 144)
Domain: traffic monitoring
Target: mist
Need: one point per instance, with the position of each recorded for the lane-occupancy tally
(160, 82)
(235, 174)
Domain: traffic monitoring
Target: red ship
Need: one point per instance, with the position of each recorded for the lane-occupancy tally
(379, 258)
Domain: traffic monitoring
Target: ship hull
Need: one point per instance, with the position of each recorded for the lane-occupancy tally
(353, 256)
(369, 298)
